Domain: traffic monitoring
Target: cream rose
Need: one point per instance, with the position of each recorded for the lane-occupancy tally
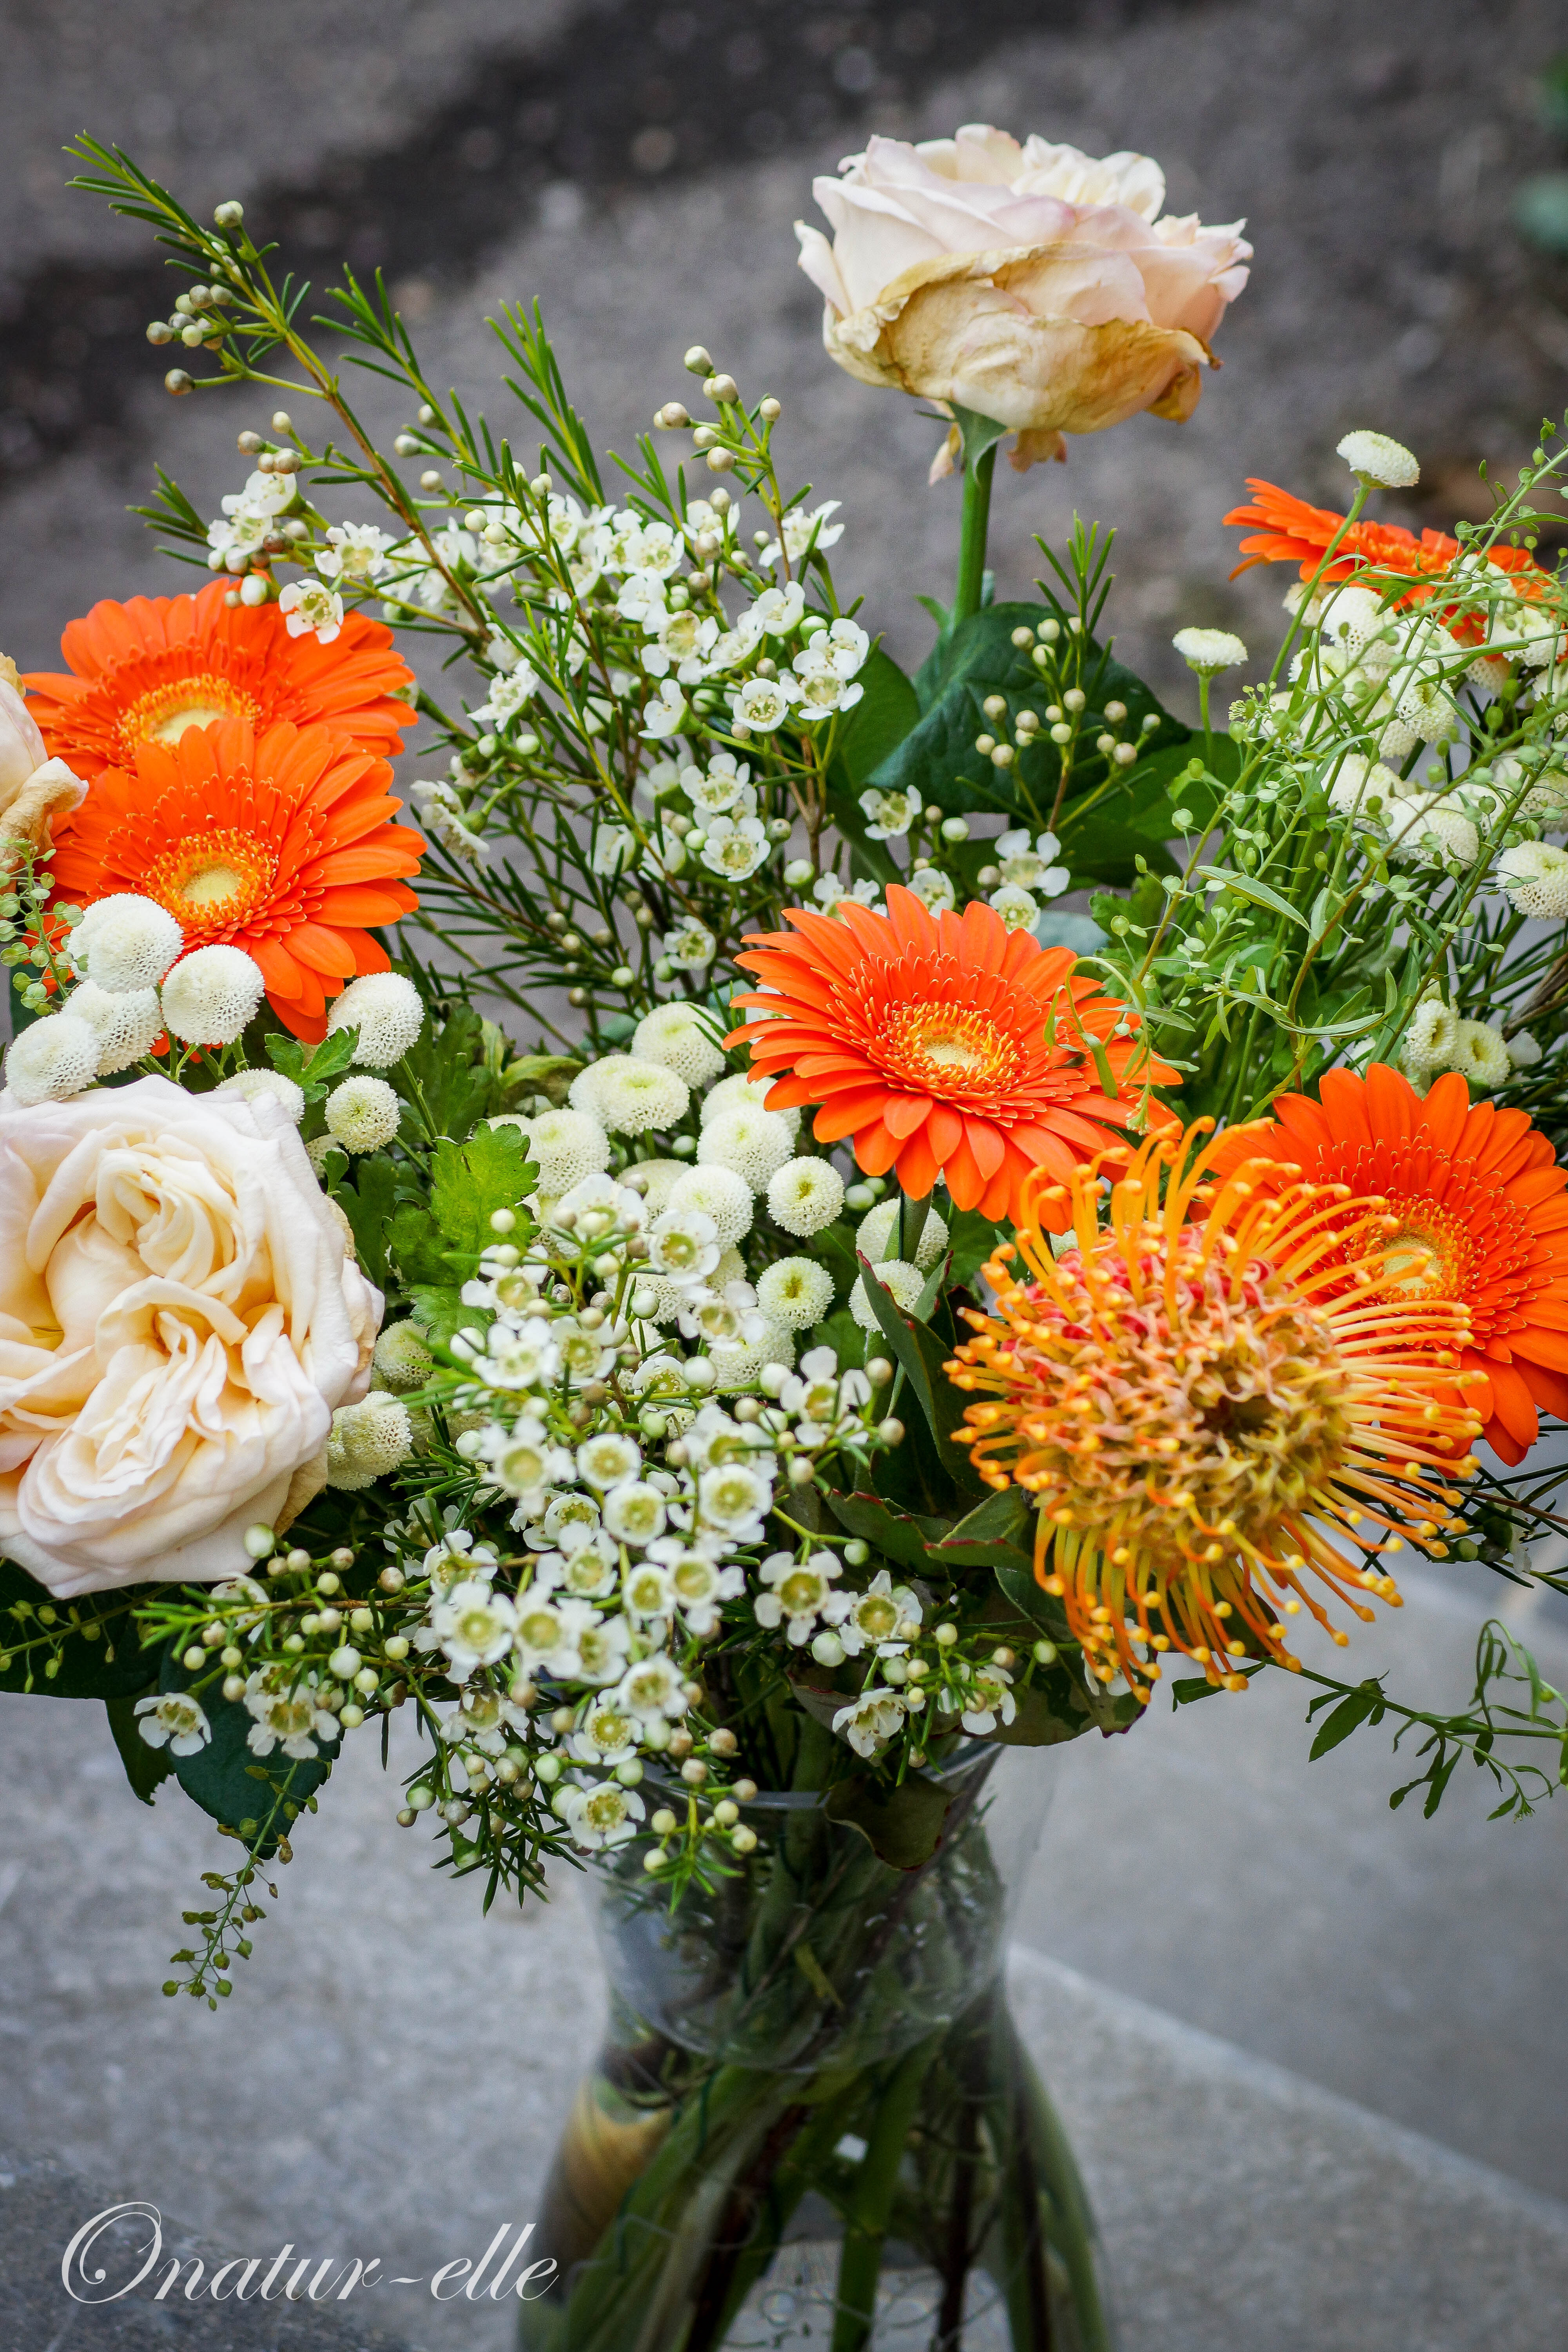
(33, 787)
(1033, 284)
(179, 1319)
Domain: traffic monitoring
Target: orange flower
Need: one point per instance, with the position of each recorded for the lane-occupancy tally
(1202, 1407)
(1293, 532)
(1484, 1221)
(282, 844)
(943, 1044)
(145, 671)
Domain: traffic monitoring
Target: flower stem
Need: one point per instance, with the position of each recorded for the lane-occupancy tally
(976, 523)
(860, 2261)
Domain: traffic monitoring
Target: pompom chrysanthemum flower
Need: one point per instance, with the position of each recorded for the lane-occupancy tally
(51, 1061)
(367, 1440)
(719, 1194)
(901, 1281)
(878, 1232)
(388, 1012)
(1480, 1055)
(804, 1195)
(1205, 1418)
(750, 1140)
(146, 671)
(363, 1113)
(1483, 1221)
(280, 843)
(209, 996)
(1535, 875)
(678, 1036)
(628, 1096)
(249, 1084)
(565, 1146)
(943, 1044)
(796, 1292)
(1385, 464)
(402, 1358)
(127, 1026)
(126, 942)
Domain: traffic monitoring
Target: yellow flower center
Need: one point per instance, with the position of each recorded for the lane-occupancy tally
(164, 713)
(947, 1048)
(210, 881)
(1429, 1255)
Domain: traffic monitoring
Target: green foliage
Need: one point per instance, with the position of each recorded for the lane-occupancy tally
(902, 1824)
(145, 1765)
(257, 1797)
(470, 1181)
(449, 1074)
(904, 1536)
(369, 1205)
(315, 1070)
(69, 1649)
(920, 1354)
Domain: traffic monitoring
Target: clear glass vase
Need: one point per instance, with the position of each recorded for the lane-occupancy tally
(812, 2126)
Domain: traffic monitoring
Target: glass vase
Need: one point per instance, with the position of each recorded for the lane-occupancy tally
(812, 2126)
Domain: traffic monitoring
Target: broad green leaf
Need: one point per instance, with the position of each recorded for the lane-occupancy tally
(112, 1664)
(415, 1247)
(470, 1181)
(541, 1074)
(368, 1204)
(908, 1537)
(456, 1081)
(922, 1355)
(901, 1825)
(1041, 1607)
(145, 1765)
(1349, 1714)
(972, 1237)
(438, 1311)
(998, 1533)
(1247, 886)
(228, 1779)
(887, 712)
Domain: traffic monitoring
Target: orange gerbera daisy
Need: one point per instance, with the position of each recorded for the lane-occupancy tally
(145, 671)
(1290, 531)
(943, 1044)
(1201, 1406)
(1483, 1220)
(281, 843)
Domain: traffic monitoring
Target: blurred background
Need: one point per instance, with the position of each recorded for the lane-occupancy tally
(636, 166)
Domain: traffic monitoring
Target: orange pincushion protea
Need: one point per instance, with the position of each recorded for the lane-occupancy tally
(281, 844)
(1290, 531)
(1201, 1408)
(943, 1044)
(1483, 1220)
(145, 671)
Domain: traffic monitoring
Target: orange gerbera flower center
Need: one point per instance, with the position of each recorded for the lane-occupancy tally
(209, 881)
(163, 714)
(947, 1049)
(1431, 1255)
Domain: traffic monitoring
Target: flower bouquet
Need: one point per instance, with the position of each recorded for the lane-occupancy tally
(689, 1286)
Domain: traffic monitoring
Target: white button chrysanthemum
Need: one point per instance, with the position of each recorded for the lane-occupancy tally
(210, 995)
(387, 1011)
(629, 1096)
(1481, 1056)
(565, 1146)
(1429, 1042)
(125, 1025)
(52, 1060)
(719, 1194)
(126, 942)
(1374, 458)
(797, 1292)
(878, 1228)
(1362, 789)
(249, 1084)
(656, 1179)
(402, 1358)
(1209, 651)
(363, 1113)
(737, 1364)
(743, 1089)
(902, 1281)
(1427, 825)
(754, 1143)
(804, 1195)
(680, 1037)
(367, 1440)
(1535, 877)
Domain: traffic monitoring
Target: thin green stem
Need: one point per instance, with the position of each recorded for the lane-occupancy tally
(973, 536)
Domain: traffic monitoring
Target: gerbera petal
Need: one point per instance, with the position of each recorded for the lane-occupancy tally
(902, 1114)
(918, 1166)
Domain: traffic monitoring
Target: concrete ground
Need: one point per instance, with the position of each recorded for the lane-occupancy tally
(393, 2070)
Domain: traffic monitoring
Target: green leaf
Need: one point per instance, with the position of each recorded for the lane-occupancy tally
(908, 1537)
(887, 711)
(414, 1245)
(368, 1204)
(145, 1765)
(312, 1068)
(1349, 1714)
(455, 1078)
(541, 1074)
(1046, 1715)
(438, 1311)
(470, 1181)
(1192, 1688)
(922, 1355)
(1041, 1607)
(113, 1665)
(938, 759)
(902, 1825)
(1246, 886)
(226, 1778)
(971, 1238)
(996, 1534)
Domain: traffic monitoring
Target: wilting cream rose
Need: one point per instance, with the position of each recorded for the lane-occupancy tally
(1030, 284)
(33, 787)
(179, 1317)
